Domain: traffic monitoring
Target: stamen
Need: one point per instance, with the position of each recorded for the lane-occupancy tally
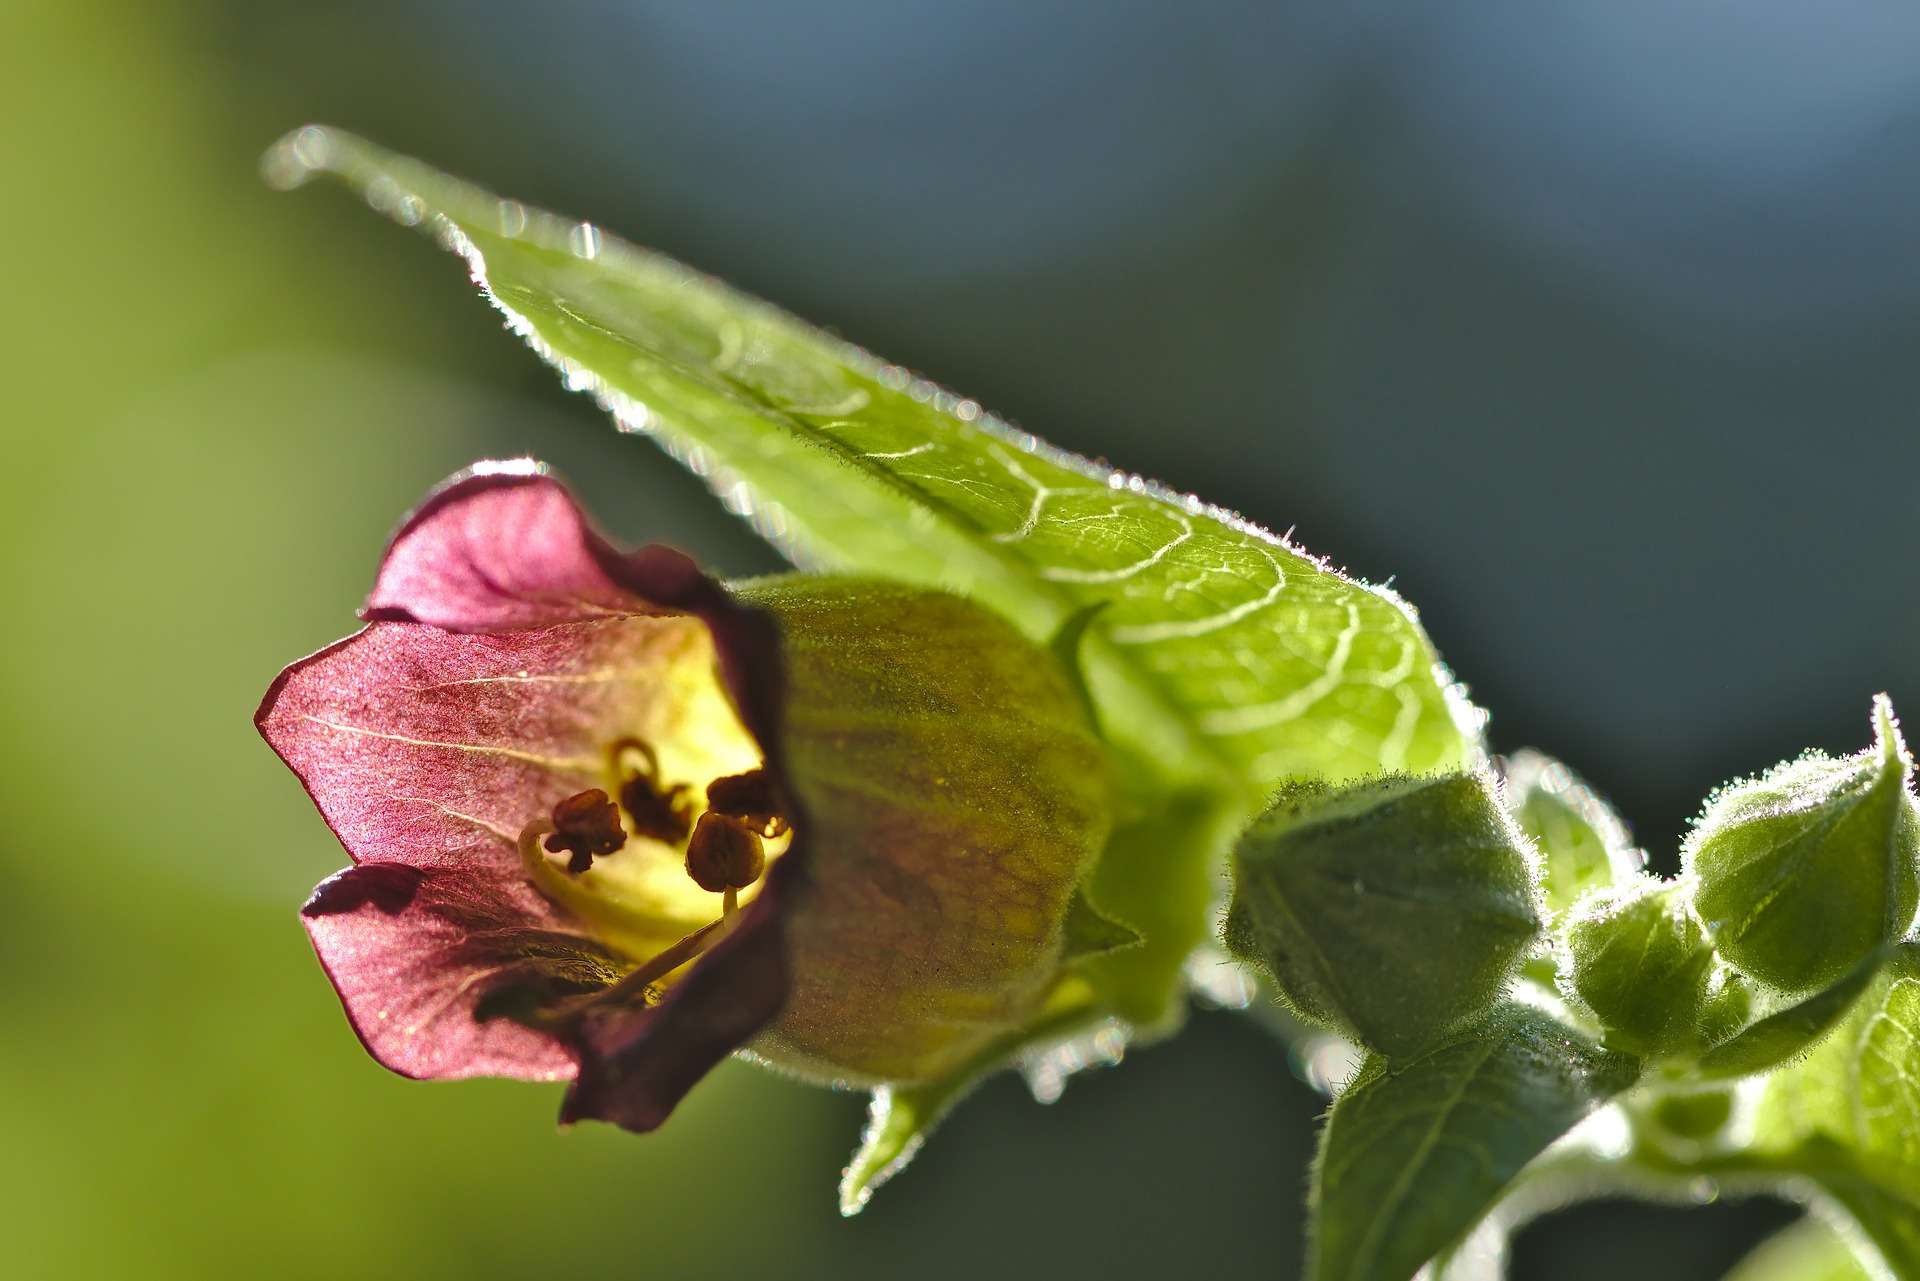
(750, 798)
(666, 962)
(657, 813)
(724, 854)
(640, 980)
(587, 826)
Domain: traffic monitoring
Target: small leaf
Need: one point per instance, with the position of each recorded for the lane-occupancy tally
(1583, 844)
(1088, 932)
(1860, 1088)
(1393, 911)
(1781, 1035)
(1805, 871)
(1639, 962)
(1807, 1251)
(1414, 1154)
(899, 1118)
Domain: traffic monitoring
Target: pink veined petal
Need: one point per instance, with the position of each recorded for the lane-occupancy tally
(416, 956)
(435, 748)
(501, 550)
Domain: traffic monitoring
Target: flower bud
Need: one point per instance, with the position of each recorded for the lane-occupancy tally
(1393, 910)
(1807, 870)
(1639, 963)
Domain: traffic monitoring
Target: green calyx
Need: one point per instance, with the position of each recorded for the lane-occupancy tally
(1393, 911)
(956, 798)
(1807, 870)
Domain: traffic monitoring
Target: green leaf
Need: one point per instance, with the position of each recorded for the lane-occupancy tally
(1807, 870)
(1807, 1251)
(1848, 1115)
(1225, 653)
(1781, 1035)
(900, 1117)
(1860, 1088)
(1583, 844)
(1414, 1154)
(1639, 962)
(1393, 911)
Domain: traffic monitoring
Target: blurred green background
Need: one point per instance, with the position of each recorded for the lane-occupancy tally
(1592, 323)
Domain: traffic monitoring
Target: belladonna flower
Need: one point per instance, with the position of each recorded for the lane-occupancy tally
(611, 821)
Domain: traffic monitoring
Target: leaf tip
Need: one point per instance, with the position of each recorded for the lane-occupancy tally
(1887, 738)
(885, 1149)
(299, 155)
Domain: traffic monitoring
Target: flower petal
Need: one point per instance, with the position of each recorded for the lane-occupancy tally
(503, 546)
(636, 1065)
(418, 959)
(434, 748)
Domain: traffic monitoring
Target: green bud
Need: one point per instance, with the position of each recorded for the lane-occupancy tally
(1639, 962)
(1805, 871)
(1393, 910)
(1584, 846)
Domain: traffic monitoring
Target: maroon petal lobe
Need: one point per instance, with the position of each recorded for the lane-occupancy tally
(420, 960)
(499, 548)
(635, 1066)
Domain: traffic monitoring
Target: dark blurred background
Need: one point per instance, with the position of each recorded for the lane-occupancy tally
(1591, 323)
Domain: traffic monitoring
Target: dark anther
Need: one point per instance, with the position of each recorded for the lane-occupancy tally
(587, 826)
(663, 814)
(750, 798)
(724, 854)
